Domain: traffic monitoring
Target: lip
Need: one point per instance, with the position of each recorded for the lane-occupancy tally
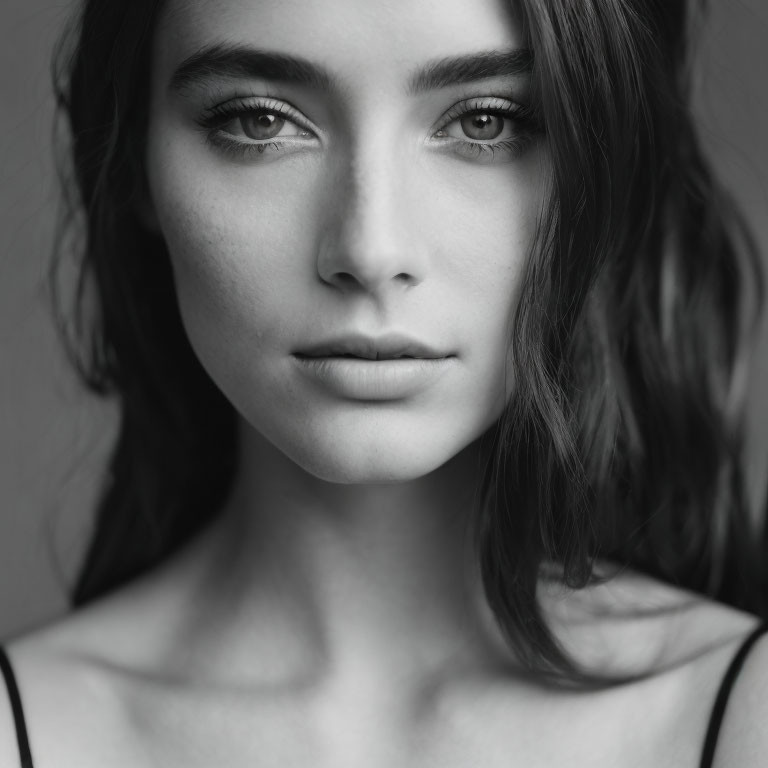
(386, 347)
(364, 368)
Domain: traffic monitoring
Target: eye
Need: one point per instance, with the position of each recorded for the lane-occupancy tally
(256, 126)
(480, 126)
(487, 130)
(264, 125)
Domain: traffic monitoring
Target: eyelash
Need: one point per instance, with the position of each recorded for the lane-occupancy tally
(213, 121)
(525, 120)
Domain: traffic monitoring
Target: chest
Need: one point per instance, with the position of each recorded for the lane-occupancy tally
(648, 726)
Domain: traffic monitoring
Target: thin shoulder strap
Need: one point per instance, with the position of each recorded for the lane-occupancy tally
(25, 753)
(718, 710)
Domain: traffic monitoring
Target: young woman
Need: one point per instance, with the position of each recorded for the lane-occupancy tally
(428, 325)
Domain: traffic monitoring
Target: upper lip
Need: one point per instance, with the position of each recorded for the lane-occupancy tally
(386, 347)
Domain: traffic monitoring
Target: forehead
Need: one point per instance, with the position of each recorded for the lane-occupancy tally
(349, 37)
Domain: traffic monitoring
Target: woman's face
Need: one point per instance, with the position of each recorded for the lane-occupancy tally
(339, 181)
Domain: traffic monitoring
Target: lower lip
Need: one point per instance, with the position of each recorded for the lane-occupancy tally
(361, 379)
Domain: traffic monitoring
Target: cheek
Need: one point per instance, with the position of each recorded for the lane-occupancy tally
(485, 236)
(240, 249)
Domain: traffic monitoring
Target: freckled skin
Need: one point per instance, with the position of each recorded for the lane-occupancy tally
(279, 250)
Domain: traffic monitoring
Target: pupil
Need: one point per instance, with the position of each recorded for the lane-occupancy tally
(482, 127)
(264, 126)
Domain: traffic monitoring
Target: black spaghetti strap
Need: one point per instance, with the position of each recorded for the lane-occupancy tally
(25, 753)
(718, 710)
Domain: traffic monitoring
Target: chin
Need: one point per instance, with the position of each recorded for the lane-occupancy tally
(371, 453)
(375, 467)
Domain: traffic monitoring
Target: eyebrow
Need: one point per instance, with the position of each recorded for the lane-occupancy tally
(467, 69)
(243, 62)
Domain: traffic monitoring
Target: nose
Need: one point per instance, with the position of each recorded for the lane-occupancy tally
(372, 241)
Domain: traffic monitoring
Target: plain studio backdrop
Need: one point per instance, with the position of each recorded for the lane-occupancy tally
(54, 437)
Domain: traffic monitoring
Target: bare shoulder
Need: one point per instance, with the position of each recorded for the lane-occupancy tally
(72, 675)
(78, 675)
(743, 737)
(632, 624)
(65, 697)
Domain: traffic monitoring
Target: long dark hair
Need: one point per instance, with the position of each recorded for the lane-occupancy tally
(623, 440)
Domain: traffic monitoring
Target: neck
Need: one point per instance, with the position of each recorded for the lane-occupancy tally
(348, 579)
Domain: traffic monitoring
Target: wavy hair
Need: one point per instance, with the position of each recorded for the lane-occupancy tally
(623, 440)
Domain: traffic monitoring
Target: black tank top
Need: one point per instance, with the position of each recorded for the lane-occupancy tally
(707, 753)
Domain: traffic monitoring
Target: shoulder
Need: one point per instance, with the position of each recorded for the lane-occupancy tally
(59, 692)
(83, 677)
(75, 676)
(743, 737)
(633, 625)
(678, 647)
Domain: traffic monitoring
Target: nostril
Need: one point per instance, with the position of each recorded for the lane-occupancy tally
(404, 277)
(345, 280)
(348, 281)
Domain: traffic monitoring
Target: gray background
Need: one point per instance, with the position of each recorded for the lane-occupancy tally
(53, 437)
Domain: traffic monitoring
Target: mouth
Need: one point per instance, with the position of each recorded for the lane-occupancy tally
(373, 349)
(365, 369)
